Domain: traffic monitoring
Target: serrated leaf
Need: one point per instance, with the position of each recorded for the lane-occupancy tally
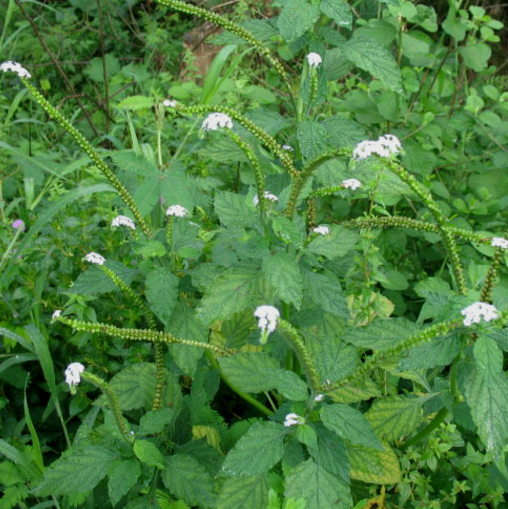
(150, 248)
(395, 416)
(123, 475)
(187, 479)
(374, 466)
(283, 274)
(319, 488)
(488, 357)
(359, 390)
(136, 102)
(257, 451)
(438, 352)
(325, 291)
(155, 421)
(161, 292)
(381, 334)
(246, 492)
(339, 11)
(258, 372)
(95, 281)
(330, 452)
(233, 291)
(349, 424)
(148, 453)
(312, 138)
(134, 385)
(233, 210)
(369, 55)
(343, 131)
(337, 243)
(77, 471)
(296, 17)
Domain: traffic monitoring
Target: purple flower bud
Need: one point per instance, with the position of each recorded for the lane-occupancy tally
(19, 224)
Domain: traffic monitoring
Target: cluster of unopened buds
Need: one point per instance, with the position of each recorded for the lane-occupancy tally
(478, 311)
(10, 66)
(385, 146)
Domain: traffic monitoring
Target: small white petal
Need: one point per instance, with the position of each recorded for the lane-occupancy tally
(56, 314)
(123, 221)
(267, 317)
(314, 59)
(267, 195)
(351, 184)
(216, 120)
(367, 148)
(177, 210)
(478, 310)
(95, 258)
(500, 242)
(293, 420)
(73, 374)
(169, 103)
(322, 230)
(390, 142)
(289, 148)
(10, 66)
(319, 397)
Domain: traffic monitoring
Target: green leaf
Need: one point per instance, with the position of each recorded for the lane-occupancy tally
(135, 386)
(257, 451)
(123, 475)
(359, 390)
(246, 492)
(155, 421)
(296, 17)
(476, 56)
(161, 292)
(339, 11)
(438, 352)
(374, 466)
(350, 424)
(343, 132)
(136, 102)
(76, 471)
(233, 210)
(283, 274)
(258, 372)
(150, 248)
(330, 452)
(337, 243)
(312, 137)
(488, 357)
(325, 291)
(381, 334)
(395, 416)
(184, 324)
(318, 487)
(234, 290)
(336, 66)
(187, 479)
(370, 56)
(95, 281)
(148, 453)
(95, 69)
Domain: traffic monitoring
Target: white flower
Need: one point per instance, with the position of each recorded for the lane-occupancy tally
(267, 196)
(319, 397)
(169, 103)
(500, 242)
(267, 318)
(293, 419)
(123, 221)
(314, 59)
(351, 184)
(391, 142)
(177, 210)
(289, 148)
(366, 148)
(322, 230)
(15, 67)
(95, 258)
(216, 120)
(56, 314)
(475, 312)
(73, 374)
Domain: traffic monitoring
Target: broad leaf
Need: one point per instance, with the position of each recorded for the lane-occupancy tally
(246, 492)
(147, 452)
(95, 281)
(325, 291)
(233, 210)
(283, 274)
(155, 421)
(162, 292)
(312, 137)
(337, 243)
(296, 17)
(123, 475)
(374, 466)
(339, 11)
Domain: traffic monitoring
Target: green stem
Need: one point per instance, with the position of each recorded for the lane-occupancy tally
(249, 399)
(433, 424)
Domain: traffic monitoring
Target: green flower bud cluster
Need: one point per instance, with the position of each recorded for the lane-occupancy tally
(90, 151)
(230, 27)
(140, 335)
(259, 133)
(490, 278)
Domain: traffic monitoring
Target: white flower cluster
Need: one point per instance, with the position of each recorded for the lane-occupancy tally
(314, 59)
(73, 374)
(177, 210)
(169, 103)
(267, 196)
(267, 318)
(319, 397)
(289, 148)
(216, 120)
(322, 230)
(10, 66)
(351, 184)
(500, 242)
(95, 258)
(475, 312)
(56, 314)
(123, 221)
(293, 420)
(385, 146)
